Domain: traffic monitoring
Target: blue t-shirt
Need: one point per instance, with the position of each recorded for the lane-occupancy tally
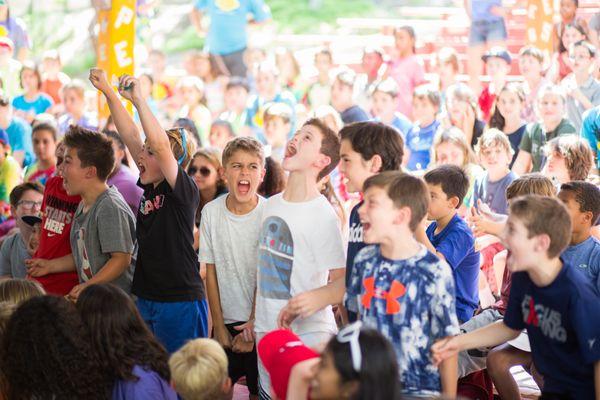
(354, 114)
(585, 257)
(411, 302)
(40, 105)
(515, 140)
(228, 22)
(563, 327)
(256, 110)
(590, 130)
(493, 193)
(150, 385)
(19, 136)
(457, 243)
(419, 141)
(401, 123)
(480, 10)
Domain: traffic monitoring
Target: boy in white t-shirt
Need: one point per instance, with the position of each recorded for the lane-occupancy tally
(230, 230)
(301, 244)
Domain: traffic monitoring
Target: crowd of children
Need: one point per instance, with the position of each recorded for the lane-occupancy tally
(359, 234)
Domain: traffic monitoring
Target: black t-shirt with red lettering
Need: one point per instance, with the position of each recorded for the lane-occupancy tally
(167, 268)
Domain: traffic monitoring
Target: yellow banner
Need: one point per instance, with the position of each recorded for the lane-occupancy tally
(116, 39)
(539, 25)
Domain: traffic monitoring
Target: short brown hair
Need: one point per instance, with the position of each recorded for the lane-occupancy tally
(330, 145)
(587, 195)
(430, 93)
(579, 158)
(448, 55)
(544, 216)
(45, 126)
(532, 51)
(493, 137)
(18, 191)
(534, 183)
(278, 110)
(375, 138)
(405, 191)
(387, 86)
(243, 143)
(93, 150)
(453, 180)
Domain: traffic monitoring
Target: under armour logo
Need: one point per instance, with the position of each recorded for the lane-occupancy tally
(591, 342)
(396, 291)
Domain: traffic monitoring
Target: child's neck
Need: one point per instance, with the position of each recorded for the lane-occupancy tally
(551, 125)
(47, 163)
(301, 186)
(581, 77)
(31, 95)
(405, 53)
(387, 118)
(402, 246)
(497, 83)
(77, 115)
(269, 95)
(238, 208)
(443, 222)
(447, 81)
(425, 122)
(497, 173)
(323, 77)
(512, 124)
(580, 237)
(545, 271)
(94, 190)
(533, 81)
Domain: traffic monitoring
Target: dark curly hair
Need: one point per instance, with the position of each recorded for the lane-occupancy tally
(46, 354)
(120, 339)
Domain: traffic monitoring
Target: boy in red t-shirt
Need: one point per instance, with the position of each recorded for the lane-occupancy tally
(497, 65)
(52, 264)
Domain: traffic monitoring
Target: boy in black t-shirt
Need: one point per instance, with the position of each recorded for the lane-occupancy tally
(166, 281)
(367, 148)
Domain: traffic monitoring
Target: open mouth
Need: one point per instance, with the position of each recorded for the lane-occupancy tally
(366, 226)
(141, 168)
(290, 151)
(243, 187)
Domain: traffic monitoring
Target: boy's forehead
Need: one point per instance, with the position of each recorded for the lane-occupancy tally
(242, 155)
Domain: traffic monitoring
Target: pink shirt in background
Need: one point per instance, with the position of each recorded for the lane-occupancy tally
(409, 73)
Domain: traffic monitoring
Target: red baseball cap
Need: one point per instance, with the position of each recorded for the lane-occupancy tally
(279, 351)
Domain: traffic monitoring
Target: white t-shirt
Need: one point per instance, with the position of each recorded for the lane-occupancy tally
(230, 242)
(299, 244)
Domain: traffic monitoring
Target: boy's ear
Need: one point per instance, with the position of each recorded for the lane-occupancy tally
(588, 215)
(262, 174)
(542, 243)
(13, 212)
(91, 172)
(376, 163)
(454, 201)
(221, 172)
(227, 386)
(323, 162)
(402, 215)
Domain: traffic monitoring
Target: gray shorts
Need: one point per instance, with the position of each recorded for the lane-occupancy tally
(473, 360)
(231, 64)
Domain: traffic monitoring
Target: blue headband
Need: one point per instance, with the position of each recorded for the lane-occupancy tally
(184, 145)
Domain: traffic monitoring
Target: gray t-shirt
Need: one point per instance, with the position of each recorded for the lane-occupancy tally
(493, 193)
(107, 227)
(230, 242)
(13, 254)
(575, 110)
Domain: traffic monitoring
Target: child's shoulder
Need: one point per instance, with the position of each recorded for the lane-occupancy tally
(367, 253)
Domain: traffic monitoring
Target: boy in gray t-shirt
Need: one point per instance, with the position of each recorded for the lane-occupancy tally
(103, 230)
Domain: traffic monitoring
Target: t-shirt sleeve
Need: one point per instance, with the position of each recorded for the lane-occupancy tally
(513, 317)
(114, 229)
(259, 10)
(328, 244)
(455, 247)
(354, 286)
(585, 304)
(205, 253)
(185, 190)
(443, 304)
(5, 268)
(526, 144)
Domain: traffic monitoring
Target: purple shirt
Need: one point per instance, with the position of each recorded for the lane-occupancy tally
(149, 386)
(126, 182)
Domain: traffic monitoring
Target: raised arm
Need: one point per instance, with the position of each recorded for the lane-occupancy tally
(123, 121)
(156, 137)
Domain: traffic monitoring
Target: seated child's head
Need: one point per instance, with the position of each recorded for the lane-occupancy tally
(244, 168)
(236, 94)
(571, 33)
(323, 60)
(393, 201)
(538, 227)
(450, 147)
(459, 98)
(569, 158)
(51, 64)
(287, 64)
(191, 89)
(494, 151)
(582, 200)
(277, 117)
(73, 96)
(31, 79)
(182, 147)
(448, 185)
(368, 148)
(205, 168)
(329, 116)
(568, 9)
(16, 291)
(274, 180)
(36, 229)
(447, 63)
(583, 55)
(342, 90)
(314, 149)
(266, 74)
(221, 133)
(531, 62)
(157, 62)
(199, 371)
(43, 137)
(508, 106)
(405, 40)
(551, 104)
(372, 60)
(534, 183)
(89, 159)
(384, 99)
(26, 199)
(497, 63)
(426, 104)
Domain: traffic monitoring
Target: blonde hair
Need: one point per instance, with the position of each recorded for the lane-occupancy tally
(455, 136)
(176, 139)
(16, 291)
(534, 183)
(199, 370)
(493, 137)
